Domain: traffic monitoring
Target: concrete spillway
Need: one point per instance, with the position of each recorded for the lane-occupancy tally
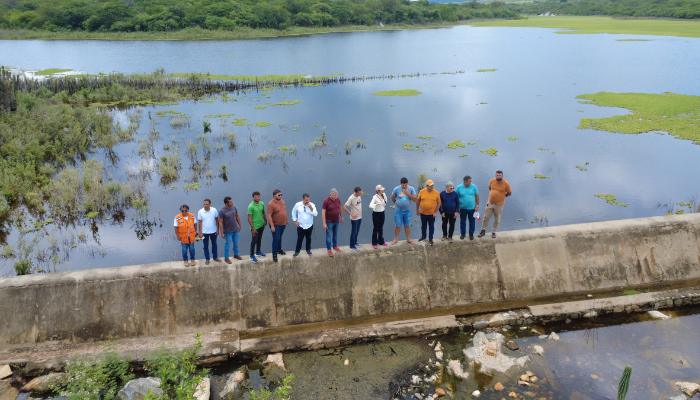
(520, 267)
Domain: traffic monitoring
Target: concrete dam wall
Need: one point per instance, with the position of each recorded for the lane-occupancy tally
(517, 268)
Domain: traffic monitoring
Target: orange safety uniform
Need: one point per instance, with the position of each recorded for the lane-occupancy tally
(186, 230)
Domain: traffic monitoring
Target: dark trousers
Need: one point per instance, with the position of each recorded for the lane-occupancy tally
(427, 221)
(256, 241)
(465, 214)
(277, 238)
(207, 238)
(448, 225)
(301, 235)
(378, 228)
(354, 232)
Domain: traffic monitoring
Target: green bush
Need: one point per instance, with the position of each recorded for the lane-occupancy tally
(23, 267)
(281, 392)
(177, 372)
(95, 381)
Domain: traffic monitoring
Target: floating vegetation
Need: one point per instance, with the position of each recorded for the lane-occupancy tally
(266, 156)
(611, 199)
(289, 149)
(455, 144)
(169, 113)
(240, 121)
(263, 124)
(490, 152)
(462, 155)
(409, 146)
(356, 144)
(286, 103)
(531, 161)
(52, 71)
(191, 186)
(231, 139)
(320, 141)
(400, 92)
(179, 121)
(486, 70)
(223, 173)
(217, 116)
(583, 167)
(633, 40)
(677, 114)
(206, 126)
(540, 176)
(512, 138)
(169, 166)
(424, 137)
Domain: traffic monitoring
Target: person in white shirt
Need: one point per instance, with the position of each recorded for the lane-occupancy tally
(303, 215)
(354, 208)
(208, 227)
(378, 205)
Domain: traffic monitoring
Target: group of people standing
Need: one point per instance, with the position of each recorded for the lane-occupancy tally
(461, 201)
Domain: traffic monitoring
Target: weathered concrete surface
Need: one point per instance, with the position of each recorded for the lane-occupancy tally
(168, 300)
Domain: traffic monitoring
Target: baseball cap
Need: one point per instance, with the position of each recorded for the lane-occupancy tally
(429, 182)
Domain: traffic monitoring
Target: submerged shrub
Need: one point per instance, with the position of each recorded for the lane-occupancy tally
(95, 381)
(23, 267)
(177, 371)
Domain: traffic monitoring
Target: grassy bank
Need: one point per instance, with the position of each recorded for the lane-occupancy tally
(205, 34)
(676, 114)
(592, 25)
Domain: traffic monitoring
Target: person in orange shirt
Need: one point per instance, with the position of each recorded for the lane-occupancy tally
(428, 203)
(186, 233)
(499, 189)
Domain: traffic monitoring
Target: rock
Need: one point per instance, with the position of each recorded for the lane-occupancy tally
(512, 345)
(553, 336)
(5, 371)
(233, 383)
(454, 368)
(136, 389)
(530, 394)
(346, 362)
(538, 349)
(486, 351)
(653, 313)
(43, 384)
(688, 388)
(498, 387)
(275, 359)
(7, 392)
(476, 393)
(590, 314)
(512, 395)
(534, 379)
(595, 377)
(523, 383)
(589, 296)
(203, 390)
(525, 377)
(438, 351)
(440, 392)
(432, 379)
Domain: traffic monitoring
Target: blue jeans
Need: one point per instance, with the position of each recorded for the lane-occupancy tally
(277, 238)
(187, 248)
(465, 214)
(231, 237)
(354, 231)
(207, 238)
(331, 235)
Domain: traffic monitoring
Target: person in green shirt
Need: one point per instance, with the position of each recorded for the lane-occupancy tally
(256, 220)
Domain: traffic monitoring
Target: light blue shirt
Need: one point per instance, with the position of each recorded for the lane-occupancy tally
(403, 202)
(467, 196)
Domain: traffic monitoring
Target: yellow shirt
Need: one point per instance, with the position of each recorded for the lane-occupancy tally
(429, 201)
(498, 191)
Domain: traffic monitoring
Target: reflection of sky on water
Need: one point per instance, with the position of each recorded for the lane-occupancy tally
(532, 95)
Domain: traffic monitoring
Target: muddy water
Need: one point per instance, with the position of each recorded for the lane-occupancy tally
(586, 362)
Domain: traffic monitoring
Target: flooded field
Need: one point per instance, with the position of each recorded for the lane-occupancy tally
(578, 361)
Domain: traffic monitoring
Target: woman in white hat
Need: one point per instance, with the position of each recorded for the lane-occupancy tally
(378, 205)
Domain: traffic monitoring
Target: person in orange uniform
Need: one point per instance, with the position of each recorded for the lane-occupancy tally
(499, 189)
(428, 203)
(186, 233)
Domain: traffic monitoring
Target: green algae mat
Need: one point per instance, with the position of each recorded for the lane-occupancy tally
(677, 114)
(591, 25)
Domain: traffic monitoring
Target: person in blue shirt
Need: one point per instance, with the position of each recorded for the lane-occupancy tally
(402, 196)
(468, 204)
(449, 207)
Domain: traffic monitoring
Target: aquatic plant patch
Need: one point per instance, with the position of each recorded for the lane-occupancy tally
(610, 199)
(487, 70)
(589, 25)
(491, 151)
(455, 144)
(52, 71)
(263, 124)
(540, 176)
(677, 114)
(400, 93)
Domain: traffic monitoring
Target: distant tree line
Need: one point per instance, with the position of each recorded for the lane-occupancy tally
(172, 15)
(619, 8)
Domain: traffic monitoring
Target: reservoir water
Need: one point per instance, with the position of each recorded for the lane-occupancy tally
(525, 108)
